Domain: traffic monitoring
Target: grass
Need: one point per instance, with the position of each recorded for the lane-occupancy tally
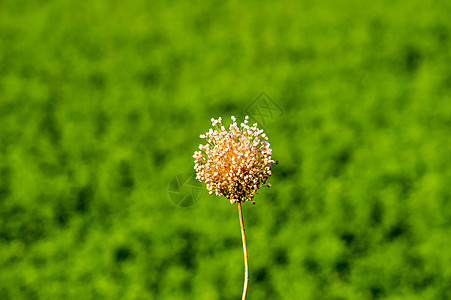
(101, 104)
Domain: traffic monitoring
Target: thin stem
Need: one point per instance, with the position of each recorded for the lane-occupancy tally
(246, 264)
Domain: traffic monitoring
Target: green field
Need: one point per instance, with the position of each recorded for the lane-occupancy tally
(101, 108)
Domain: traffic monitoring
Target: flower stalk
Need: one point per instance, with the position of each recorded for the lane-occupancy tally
(246, 263)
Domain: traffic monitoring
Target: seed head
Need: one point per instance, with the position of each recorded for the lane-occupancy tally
(234, 163)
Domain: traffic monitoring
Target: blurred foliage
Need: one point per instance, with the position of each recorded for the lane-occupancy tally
(102, 103)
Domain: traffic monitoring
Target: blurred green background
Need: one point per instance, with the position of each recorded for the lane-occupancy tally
(102, 104)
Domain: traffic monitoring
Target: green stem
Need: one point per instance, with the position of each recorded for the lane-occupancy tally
(246, 264)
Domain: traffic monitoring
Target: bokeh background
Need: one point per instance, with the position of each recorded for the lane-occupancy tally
(102, 104)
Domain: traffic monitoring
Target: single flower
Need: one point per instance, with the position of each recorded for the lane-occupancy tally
(234, 163)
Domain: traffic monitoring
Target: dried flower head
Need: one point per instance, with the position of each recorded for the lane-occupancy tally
(234, 163)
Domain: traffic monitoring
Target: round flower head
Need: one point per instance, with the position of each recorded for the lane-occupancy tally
(234, 163)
